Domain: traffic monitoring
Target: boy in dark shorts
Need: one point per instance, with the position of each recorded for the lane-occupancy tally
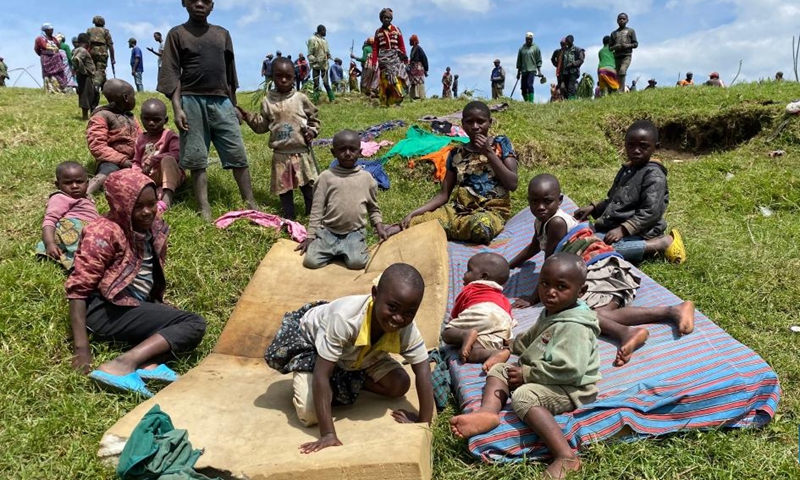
(558, 367)
(198, 74)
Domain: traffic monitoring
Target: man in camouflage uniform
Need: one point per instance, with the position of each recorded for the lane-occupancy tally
(102, 47)
(318, 56)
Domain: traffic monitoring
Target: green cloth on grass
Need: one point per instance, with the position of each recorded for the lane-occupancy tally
(158, 450)
(419, 142)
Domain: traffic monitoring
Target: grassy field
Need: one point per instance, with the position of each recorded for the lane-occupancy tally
(743, 269)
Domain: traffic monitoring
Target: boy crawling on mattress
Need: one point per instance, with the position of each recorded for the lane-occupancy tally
(558, 366)
(337, 349)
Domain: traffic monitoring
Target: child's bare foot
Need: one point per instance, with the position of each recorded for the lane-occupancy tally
(471, 424)
(467, 344)
(684, 317)
(205, 212)
(117, 367)
(560, 466)
(635, 338)
(499, 356)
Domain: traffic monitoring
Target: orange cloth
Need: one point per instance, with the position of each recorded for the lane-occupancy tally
(439, 159)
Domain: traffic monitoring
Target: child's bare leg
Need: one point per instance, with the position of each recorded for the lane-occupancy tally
(495, 395)
(464, 338)
(169, 175)
(682, 315)
(166, 196)
(541, 421)
(287, 204)
(242, 177)
(308, 197)
(629, 338)
(394, 384)
(200, 184)
(96, 183)
(154, 346)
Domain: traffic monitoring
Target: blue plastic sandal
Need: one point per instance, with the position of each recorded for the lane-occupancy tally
(161, 373)
(125, 383)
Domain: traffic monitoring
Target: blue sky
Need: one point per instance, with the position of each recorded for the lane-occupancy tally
(674, 36)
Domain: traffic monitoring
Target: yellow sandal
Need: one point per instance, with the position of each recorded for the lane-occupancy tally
(676, 253)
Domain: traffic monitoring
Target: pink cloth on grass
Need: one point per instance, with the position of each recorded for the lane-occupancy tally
(296, 230)
(369, 149)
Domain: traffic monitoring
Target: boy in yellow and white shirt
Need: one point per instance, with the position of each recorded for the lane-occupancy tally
(339, 348)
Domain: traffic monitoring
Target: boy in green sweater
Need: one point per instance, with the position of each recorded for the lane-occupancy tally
(558, 367)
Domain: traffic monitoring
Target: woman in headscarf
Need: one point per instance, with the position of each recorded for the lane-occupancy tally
(369, 70)
(52, 59)
(389, 52)
(417, 69)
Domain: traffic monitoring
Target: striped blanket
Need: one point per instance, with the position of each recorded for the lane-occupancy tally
(700, 381)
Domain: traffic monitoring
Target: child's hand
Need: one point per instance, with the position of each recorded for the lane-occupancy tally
(522, 302)
(308, 136)
(127, 164)
(614, 236)
(404, 416)
(381, 231)
(82, 360)
(243, 114)
(583, 213)
(53, 251)
(180, 119)
(515, 379)
(329, 440)
(406, 222)
(303, 246)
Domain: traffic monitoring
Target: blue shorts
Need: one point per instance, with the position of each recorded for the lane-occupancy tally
(631, 248)
(211, 119)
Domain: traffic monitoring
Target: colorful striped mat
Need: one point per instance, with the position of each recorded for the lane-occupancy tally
(700, 381)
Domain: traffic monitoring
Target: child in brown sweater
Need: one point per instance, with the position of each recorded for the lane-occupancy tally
(344, 196)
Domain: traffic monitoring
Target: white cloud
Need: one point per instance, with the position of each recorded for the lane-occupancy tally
(631, 7)
(759, 36)
(141, 31)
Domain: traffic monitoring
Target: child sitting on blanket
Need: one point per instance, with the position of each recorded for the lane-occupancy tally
(112, 132)
(558, 367)
(344, 196)
(292, 122)
(68, 211)
(337, 349)
(631, 217)
(157, 152)
(480, 176)
(481, 322)
(550, 223)
(611, 283)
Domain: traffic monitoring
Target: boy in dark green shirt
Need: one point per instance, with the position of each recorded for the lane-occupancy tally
(623, 41)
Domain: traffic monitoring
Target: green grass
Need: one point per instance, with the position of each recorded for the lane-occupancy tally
(743, 269)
